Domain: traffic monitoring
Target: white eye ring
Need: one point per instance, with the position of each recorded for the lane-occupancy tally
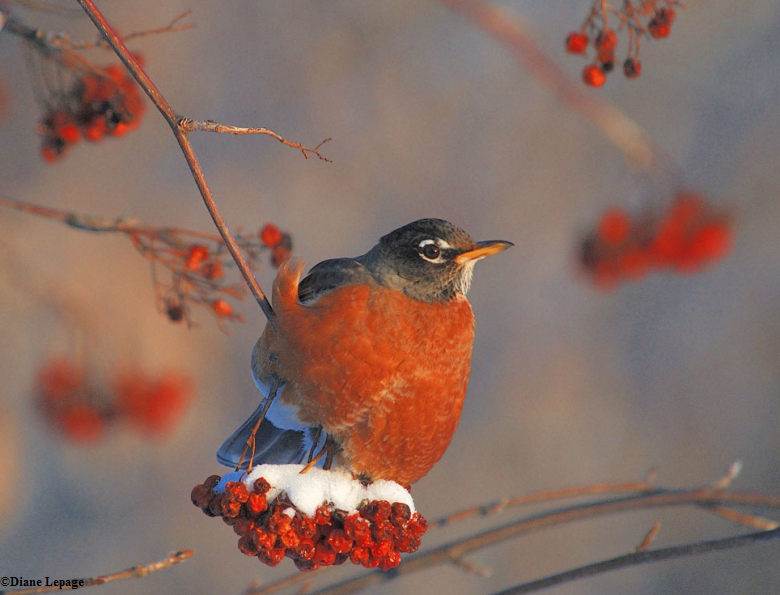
(431, 250)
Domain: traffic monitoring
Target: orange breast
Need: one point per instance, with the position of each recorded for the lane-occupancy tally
(384, 374)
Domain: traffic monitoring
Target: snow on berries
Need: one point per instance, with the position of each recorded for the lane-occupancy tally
(649, 19)
(316, 518)
(688, 235)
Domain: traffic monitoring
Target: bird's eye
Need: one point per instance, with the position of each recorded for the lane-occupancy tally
(429, 250)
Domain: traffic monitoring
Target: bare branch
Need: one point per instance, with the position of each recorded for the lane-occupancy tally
(211, 126)
(180, 132)
(643, 557)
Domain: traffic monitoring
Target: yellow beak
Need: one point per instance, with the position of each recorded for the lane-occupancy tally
(482, 250)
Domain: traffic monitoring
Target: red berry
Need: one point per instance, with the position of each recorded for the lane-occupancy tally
(213, 270)
(712, 241)
(222, 308)
(658, 29)
(322, 515)
(593, 75)
(339, 542)
(606, 41)
(357, 528)
(408, 544)
(261, 485)
(381, 549)
(196, 256)
(305, 526)
(247, 546)
(256, 503)
(264, 539)
(290, 539)
(270, 235)
(305, 548)
(279, 522)
(59, 378)
(323, 555)
(391, 560)
(83, 424)
(632, 68)
(243, 526)
(614, 227)
(201, 495)
(230, 507)
(69, 133)
(359, 555)
(576, 42)
(237, 491)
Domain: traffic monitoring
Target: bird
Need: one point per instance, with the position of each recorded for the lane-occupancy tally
(366, 359)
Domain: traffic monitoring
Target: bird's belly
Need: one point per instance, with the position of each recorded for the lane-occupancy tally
(385, 375)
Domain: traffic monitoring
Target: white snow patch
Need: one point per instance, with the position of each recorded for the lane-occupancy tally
(309, 490)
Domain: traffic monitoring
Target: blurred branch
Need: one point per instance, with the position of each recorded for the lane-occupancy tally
(60, 46)
(132, 572)
(509, 29)
(98, 224)
(642, 557)
(178, 125)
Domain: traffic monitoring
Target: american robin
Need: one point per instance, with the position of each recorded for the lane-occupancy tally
(369, 356)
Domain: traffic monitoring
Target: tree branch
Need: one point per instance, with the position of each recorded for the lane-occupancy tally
(642, 557)
(180, 132)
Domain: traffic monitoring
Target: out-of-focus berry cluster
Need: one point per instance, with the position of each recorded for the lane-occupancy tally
(642, 19)
(82, 410)
(98, 103)
(374, 536)
(687, 236)
(196, 264)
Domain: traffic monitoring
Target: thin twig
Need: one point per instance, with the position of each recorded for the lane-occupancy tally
(642, 557)
(647, 540)
(211, 126)
(132, 572)
(174, 121)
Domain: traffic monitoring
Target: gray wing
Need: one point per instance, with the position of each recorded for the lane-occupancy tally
(330, 274)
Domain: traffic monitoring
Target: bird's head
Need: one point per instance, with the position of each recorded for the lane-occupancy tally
(429, 259)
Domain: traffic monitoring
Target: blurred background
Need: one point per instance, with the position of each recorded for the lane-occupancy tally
(429, 118)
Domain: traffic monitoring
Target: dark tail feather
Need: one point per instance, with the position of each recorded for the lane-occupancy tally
(273, 444)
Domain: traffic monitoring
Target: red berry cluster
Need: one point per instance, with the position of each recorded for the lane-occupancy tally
(374, 536)
(197, 265)
(97, 104)
(71, 402)
(645, 19)
(279, 242)
(153, 405)
(687, 236)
